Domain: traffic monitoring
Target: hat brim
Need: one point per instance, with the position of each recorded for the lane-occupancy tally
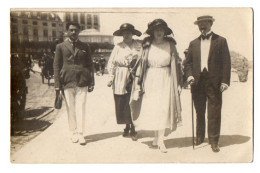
(197, 21)
(150, 30)
(120, 32)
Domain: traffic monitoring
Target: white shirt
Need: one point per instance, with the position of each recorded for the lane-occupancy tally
(204, 47)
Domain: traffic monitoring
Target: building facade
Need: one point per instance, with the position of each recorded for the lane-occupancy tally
(35, 26)
(86, 20)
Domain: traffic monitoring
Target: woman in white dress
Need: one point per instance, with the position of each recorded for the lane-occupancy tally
(123, 55)
(158, 81)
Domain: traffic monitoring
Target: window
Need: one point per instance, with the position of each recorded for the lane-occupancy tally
(14, 30)
(25, 31)
(75, 17)
(54, 34)
(53, 24)
(14, 20)
(35, 32)
(95, 20)
(89, 27)
(82, 27)
(45, 33)
(68, 17)
(35, 23)
(89, 19)
(25, 22)
(45, 24)
(82, 18)
(95, 26)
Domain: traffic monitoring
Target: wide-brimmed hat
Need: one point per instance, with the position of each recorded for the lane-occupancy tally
(155, 24)
(127, 27)
(203, 18)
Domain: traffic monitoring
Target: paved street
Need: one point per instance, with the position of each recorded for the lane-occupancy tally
(105, 143)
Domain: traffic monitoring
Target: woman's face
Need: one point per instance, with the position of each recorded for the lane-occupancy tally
(127, 36)
(159, 33)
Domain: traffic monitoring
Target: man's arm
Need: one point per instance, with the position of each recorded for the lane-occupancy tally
(57, 65)
(188, 66)
(91, 67)
(226, 60)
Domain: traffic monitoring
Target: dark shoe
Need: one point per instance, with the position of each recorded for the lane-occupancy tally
(134, 136)
(215, 148)
(125, 133)
(199, 141)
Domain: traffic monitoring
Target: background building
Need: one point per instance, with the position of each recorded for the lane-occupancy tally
(35, 26)
(86, 20)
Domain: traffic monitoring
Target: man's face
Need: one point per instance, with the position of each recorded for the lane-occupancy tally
(73, 32)
(204, 26)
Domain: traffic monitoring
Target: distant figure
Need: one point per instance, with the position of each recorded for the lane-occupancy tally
(102, 65)
(185, 83)
(208, 68)
(74, 73)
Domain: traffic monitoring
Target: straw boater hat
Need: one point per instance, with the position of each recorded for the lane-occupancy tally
(127, 27)
(155, 24)
(203, 18)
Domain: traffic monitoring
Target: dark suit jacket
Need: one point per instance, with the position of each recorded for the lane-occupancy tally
(73, 67)
(219, 63)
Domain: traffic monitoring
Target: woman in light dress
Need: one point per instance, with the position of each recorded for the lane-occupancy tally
(157, 104)
(122, 57)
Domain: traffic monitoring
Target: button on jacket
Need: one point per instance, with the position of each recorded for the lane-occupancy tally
(73, 67)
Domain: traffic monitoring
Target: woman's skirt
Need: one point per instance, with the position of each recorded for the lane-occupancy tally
(155, 109)
(123, 113)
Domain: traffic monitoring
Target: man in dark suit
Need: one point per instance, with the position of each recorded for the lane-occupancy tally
(208, 69)
(74, 72)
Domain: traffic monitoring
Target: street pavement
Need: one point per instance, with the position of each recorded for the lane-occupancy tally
(105, 143)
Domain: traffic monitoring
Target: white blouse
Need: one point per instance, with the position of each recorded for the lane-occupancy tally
(118, 64)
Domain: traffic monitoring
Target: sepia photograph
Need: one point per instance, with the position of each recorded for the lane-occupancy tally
(131, 85)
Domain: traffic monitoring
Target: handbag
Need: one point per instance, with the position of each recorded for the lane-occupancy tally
(58, 100)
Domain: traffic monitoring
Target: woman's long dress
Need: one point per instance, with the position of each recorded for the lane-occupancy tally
(155, 109)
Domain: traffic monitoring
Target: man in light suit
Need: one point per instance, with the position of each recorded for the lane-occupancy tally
(74, 72)
(208, 69)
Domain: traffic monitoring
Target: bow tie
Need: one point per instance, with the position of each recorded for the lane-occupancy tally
(206, 36)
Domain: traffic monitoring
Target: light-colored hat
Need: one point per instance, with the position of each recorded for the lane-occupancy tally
(203, 18)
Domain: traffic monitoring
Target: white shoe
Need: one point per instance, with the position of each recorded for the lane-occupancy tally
(155, 142)
(82, 140)
(74, 137)
(162, 148)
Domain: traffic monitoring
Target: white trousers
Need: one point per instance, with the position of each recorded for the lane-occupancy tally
(76, 108)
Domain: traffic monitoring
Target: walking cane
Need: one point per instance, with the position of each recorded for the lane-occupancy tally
(192, 115)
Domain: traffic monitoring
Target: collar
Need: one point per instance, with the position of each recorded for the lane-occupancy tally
(72, 41)
(207, 36)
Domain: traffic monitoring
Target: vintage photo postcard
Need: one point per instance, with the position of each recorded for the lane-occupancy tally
(131, 85)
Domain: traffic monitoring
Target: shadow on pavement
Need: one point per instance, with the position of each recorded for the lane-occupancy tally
(30, 113)
(23, 127)
(102, 136)
(225, 140)
(33, 121)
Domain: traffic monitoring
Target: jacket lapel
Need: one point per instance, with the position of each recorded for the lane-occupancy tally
(198, 52)
(69, 47)
(213, 43)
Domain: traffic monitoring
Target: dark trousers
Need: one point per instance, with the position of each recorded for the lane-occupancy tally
(202, 93)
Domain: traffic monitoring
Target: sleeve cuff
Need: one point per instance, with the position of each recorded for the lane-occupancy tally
(190, 78)
(226, 85)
